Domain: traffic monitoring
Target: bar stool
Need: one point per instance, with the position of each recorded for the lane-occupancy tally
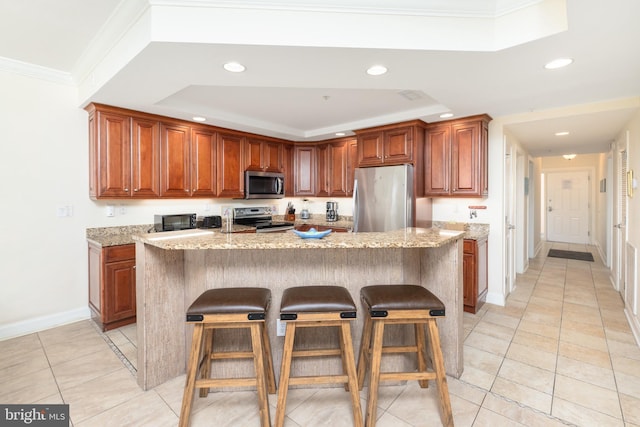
(317, 307)
(229, 308)
(393, 305)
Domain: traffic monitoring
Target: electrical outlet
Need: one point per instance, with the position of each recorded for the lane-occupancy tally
(111, 210)
(281, 327)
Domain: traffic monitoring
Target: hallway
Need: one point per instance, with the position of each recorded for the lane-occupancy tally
(560, 353)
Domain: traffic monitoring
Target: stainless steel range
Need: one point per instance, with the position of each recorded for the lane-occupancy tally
(261, 218)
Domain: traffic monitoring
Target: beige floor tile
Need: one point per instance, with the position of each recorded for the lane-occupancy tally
(516, 413)
(387, 394)
(388, 420)
(549, 331)
(327, 407)
(64, 351)
(465, 391)
(569, 324)
(584, 340)
(584, 354)
(13, 349)
(627, 384)
(520, 373)
(477, 377)
(630, 408)
(588, 395)
(502, 319)
(583, 371)
(96, 396)
(77, 371)
(626, 365)
(233, 409)
(550, 345)
(17, 364)
(147, 409)
(28, 388)
(532, 356)
(581, 416)
(523, 394)
(483, 360)
(68, 333)
(496, 331)
(487, 343)
(487, 418)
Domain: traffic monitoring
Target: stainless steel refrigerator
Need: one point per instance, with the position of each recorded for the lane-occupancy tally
(383, 198)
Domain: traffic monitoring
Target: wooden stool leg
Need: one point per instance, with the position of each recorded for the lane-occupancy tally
(285, 371)
(350, 369)
(363, 358)
(441, 376)
(192, 372)
(374, 374)
(258, 361)
(343, 358)
(205, 368)
(421, 347)
(271, 378)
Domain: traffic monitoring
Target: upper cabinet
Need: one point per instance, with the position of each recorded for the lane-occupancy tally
(389, 145)
(262, 155)
(231, 165)
(124, 155)
(304, 170)
(455, 158)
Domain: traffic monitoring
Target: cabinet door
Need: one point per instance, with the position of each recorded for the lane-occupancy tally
(175, 166)
(338, 169)
(120, 290)
(230, 174)
(352, 164)
(95, 277)
(253, 154)
(469, 272)
(289, 176)
(113, 155)
(370, 149)
(437, 160)
(304, 170)
(272, 157)
(146, 158)
(465, 159)
(323, 170)
(398, 145)
(482, 259)
(203, 163)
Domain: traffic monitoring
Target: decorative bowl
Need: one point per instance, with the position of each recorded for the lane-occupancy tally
(311, 234)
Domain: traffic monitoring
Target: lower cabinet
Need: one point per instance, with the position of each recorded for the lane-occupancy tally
(474, 274)
(112, 285)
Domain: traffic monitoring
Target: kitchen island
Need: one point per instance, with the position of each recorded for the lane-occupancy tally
(174, 268)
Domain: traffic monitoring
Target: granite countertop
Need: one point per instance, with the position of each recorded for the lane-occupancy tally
(208, 239)
(116, 236)
(472, 230)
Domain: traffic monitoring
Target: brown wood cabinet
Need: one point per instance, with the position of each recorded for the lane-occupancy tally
(474, 272)
(231, 165)
(389, 145)
(112, 285)
(262, 155)
(175, 155)
(455, 158)
(124, 155)
(304, 170)
(289, 170)
(307, 227)
(203, 162)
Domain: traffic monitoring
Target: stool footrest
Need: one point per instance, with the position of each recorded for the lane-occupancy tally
(405, 376)
(225, 382)
(317, 352)
(231, 355)
(320, 379)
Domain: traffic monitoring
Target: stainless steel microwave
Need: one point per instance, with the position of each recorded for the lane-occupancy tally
(263, 185)
(174, 222)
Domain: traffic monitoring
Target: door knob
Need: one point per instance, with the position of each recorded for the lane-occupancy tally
(550, 209)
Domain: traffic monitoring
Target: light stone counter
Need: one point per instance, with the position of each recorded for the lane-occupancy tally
(174, 268)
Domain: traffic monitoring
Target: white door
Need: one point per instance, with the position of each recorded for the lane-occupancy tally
(620, 233)
(509, 219)
(568, 207)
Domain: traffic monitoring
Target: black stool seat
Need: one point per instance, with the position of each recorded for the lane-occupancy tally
(382, 298)
(231, 300)
(317, 299)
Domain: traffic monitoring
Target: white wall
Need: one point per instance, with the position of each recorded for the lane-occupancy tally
(44, 165)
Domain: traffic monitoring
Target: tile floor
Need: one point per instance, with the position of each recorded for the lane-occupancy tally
(560, 353)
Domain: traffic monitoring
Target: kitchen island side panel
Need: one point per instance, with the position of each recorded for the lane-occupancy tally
(160, 295)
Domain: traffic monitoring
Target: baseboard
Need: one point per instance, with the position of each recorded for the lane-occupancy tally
(603, 256)
(38, 324)
(634, 324)
(538, 248)
(496, 299)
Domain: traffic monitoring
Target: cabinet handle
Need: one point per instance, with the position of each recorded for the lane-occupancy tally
(135, 190)
(134, 267)
(126, 190)
(186, 189)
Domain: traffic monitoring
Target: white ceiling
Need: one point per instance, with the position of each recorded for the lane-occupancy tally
(305, 62)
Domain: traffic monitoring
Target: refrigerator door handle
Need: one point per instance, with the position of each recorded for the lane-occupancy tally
(355, 205)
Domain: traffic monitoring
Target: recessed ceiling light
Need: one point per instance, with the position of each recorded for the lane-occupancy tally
(569, 156)
(234, 67)
(564, 133)
(558, 63)
(446, 115)
(199, 119)
(377, 70)
(340, 134)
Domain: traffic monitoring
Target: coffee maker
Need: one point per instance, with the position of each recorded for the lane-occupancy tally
(332, 211)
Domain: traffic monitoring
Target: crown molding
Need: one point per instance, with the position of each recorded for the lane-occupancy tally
(35, 71)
